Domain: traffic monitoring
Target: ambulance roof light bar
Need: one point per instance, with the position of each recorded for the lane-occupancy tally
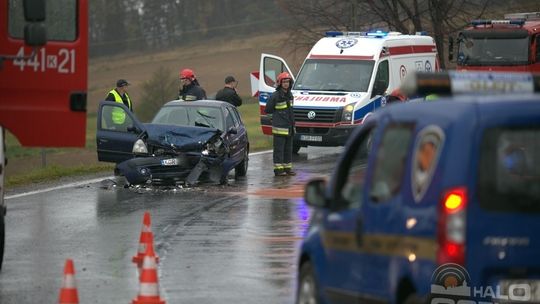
(377, 34)
(519, 22)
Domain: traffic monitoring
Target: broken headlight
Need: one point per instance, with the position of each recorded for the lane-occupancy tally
(139, 147)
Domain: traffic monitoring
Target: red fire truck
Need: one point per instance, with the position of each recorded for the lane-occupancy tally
(512, 44)
(43, 77)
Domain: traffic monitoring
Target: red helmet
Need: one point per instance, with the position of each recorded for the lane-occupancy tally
(283, 75)
(187, 73)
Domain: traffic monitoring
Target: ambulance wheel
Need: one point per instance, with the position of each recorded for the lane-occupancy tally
(307, 286)
(296, 148)
(2, 237)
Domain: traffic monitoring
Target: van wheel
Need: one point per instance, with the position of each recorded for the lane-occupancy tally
(241, 169)
(296, 148)
(307, 286)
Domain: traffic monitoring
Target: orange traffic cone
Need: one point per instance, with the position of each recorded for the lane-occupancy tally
(68, 292)
(149, 287)
(147, 237)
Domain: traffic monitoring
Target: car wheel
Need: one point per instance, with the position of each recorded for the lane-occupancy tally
(2, 237)
(307, 286)
(241, 169)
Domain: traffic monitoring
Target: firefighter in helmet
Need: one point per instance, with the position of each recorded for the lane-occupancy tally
(190, 89)
(280, 106)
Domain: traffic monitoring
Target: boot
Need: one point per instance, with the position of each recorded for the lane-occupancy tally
(290, 172)
(280, 172)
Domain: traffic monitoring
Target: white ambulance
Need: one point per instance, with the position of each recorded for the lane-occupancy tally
(344, 78)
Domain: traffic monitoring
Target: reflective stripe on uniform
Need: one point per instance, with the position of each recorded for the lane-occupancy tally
(278, 167)
(281, 105)
(280, 131)
(287, 166)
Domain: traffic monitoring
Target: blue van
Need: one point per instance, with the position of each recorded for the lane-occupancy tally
(429, 201)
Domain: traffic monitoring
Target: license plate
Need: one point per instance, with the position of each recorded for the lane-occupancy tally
(310, 138)
(523, 290)
(169, 162)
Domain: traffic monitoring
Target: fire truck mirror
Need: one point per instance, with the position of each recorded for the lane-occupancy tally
(450, 48)
(35, 34)
(34, 10)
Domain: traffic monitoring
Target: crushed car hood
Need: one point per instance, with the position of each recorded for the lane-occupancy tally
(180, 138)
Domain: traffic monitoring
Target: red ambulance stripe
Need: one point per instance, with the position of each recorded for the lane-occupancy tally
(342, 57)
(412, 49)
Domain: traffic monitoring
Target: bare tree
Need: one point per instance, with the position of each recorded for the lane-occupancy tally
(438, 17)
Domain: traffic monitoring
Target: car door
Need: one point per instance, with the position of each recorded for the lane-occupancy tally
(115, 140)
(237, 142)
(343, 228)
(387, 218)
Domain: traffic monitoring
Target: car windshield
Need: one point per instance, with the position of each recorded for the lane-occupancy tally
(335, 75)
(490, 49)
(195, 116)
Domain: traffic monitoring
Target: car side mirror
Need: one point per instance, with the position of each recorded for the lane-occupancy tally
(450, 48)
(314, 193)
(232, 130)
(379, 87)
(34, 10)
(133, 129)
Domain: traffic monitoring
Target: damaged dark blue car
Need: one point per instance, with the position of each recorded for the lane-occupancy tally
(186, 142)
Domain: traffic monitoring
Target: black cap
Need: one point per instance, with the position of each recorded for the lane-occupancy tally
(121, 83)
(229, 79)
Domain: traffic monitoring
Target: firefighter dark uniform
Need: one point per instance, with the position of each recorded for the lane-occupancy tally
(280, 106)
(118, 115)
(190, 89)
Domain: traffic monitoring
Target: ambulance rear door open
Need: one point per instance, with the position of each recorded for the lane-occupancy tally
(270, 67)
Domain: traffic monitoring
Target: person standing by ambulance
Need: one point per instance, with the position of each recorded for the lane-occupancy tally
(280, 106)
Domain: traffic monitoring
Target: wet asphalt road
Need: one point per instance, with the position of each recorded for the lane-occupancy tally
(217, 244)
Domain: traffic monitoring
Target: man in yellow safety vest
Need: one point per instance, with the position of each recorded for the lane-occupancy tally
(120, 95)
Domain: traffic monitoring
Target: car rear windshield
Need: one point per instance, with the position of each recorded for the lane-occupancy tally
(509, 176)
(195, 116)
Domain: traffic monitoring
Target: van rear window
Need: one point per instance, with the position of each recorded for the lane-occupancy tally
(509, 171)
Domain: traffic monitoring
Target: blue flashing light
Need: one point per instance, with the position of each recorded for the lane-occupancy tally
(378, 34)
(517, 21)
(422, 33)
(334, 33)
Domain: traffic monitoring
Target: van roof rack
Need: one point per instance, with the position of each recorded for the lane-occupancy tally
(456, 83)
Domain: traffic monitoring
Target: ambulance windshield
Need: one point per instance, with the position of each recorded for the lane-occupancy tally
(335, 75)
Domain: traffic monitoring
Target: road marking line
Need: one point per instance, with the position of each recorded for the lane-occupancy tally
(77, 184)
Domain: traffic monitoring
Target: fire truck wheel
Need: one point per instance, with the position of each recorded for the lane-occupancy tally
(2, 237)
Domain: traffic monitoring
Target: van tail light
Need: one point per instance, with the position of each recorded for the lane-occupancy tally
(451, 227)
